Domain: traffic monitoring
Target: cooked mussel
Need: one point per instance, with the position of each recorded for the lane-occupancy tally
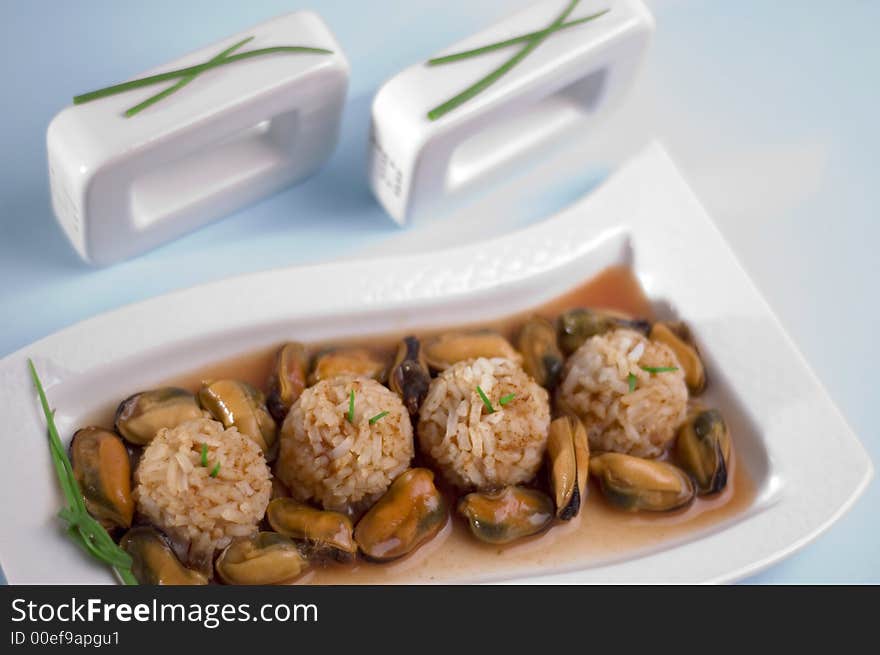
(264, 558)
(678, 337)
(443, 351)
(577, 325)
(568, 453)
(507, 514)
(236, 403)
(542, 358)
(279, 489)
(633, 483)
(702, 448)
(360, 362)
(153, 561)
(410, 513)
(141, 416)
(288, 379)
(409, 376)
(324, 533)
(103, 471)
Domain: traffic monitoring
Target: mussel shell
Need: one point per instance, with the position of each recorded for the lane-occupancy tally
(237, 403)
(279, 489)
(288, 379)
(575, 326)
(410, 513)
(678, 337)
(702, 448)
(153, 560)
(507, 514)
(264, 558)
(568, 454)
(103, 471)
(443, 351)
(357, 362)
(634, 484)
(324, 533)
(409, 377)
(542, 358)
(140, 416)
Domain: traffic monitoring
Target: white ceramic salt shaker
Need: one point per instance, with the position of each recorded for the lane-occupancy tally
(233, 135)
(420, 166)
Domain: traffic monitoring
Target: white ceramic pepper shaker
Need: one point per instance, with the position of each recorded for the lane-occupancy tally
(419, 166)
(234, 134)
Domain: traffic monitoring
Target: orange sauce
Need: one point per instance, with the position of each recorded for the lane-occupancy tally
(599, 534)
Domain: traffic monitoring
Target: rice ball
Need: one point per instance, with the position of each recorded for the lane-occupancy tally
(595, 387)
(473, 447)
(201, 513)
(344, 465)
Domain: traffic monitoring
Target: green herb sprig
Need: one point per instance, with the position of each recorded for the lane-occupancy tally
(378, 417)
(500, 45)
(632, 380)
(203, 460)
(188, 74)
(485, 399)
(186, 79)
(659, 369)
(85, 531)
(350, 413)
(532, 40)
(504, 400)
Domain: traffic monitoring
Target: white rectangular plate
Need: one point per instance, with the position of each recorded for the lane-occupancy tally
(806, 463)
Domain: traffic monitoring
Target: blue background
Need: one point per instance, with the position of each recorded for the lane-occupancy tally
(769, 109)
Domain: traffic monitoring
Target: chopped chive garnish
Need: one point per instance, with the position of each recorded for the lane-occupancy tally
(152, 100)
(350, 414)
(485, 400)
(659, 369)
(531, 41)
(85, 531)
(506, 399)
(632, 379)
(378, 417)
(215, 470)
(204, 457)
(522, 38)
(182, 74)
